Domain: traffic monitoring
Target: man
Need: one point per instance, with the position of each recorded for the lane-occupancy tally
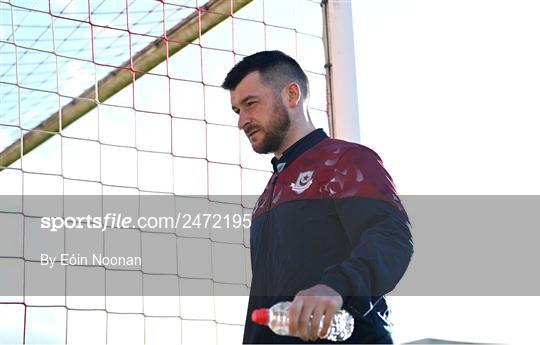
(329, 231)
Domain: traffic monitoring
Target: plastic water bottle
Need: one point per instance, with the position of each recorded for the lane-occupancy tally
(277, 318)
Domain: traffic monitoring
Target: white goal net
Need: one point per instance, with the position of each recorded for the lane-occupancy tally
(122, 98)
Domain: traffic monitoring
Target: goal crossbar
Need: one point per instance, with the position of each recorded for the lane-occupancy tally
(186, 31)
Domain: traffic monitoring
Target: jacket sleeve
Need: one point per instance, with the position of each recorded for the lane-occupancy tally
(376, 226)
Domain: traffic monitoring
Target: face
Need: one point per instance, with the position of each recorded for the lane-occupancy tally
(262, 115)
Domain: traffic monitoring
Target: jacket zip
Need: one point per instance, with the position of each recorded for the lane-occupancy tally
(263, 228)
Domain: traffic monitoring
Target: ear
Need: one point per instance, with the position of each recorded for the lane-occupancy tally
(293, 95)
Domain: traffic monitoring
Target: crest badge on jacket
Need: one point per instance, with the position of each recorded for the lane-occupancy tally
(304, 180)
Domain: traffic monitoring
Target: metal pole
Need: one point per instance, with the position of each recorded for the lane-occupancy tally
(190, 28)
(341, 71)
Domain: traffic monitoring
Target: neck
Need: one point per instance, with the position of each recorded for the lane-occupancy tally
(294, 134)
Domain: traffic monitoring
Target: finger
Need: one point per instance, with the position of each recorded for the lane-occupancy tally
(294, 313)
(304, 320)
(328, 316)
(315, 320)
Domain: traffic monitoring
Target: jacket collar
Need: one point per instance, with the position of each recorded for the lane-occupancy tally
(296, 149)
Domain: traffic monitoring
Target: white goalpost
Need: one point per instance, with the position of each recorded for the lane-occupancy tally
(341, 76)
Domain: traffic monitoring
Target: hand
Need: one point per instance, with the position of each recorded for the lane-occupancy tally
(316, 301)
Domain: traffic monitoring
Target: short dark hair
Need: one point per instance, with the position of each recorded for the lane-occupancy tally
(277, 69)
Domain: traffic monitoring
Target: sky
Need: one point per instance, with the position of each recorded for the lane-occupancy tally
(448, 93)
(448, 97)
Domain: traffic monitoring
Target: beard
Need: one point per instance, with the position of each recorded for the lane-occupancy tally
(275, 131)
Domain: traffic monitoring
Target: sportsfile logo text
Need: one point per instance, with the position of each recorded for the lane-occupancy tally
(119, 221)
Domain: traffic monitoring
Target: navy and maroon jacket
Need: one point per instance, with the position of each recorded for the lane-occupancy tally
(329, 215)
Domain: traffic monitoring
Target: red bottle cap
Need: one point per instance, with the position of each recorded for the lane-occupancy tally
(261, 316)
